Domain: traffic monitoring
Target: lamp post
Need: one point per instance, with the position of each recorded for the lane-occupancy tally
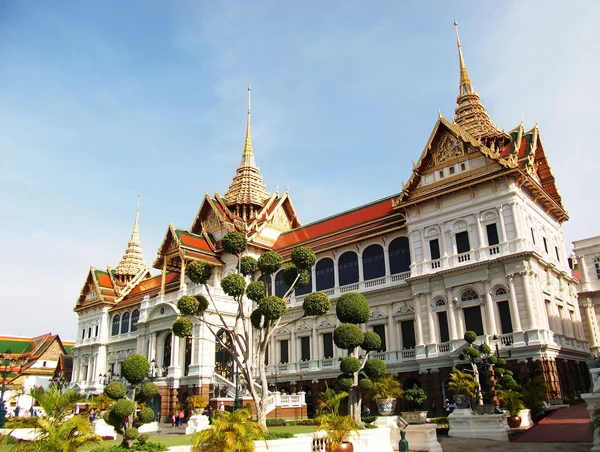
(7, 365)
(496, 340)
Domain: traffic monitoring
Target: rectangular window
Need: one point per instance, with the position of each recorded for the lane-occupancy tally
(443, 321)
(408, 334)
(96, 331)
(545, 244)
(328, 345)
(463, 167)
(451, 170)
(380, 331)
(441, 173)
(597, 267)
(89, 332)
(83, 334)
(473, 321)
(557, 255)
(305, 348)
(267, 355)
(434, 248)
(492, 234)
(462, 242)
(532, 236)
(505, 320)
(284, 351)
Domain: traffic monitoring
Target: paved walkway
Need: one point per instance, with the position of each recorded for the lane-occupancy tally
(463, 444)
(570, 424)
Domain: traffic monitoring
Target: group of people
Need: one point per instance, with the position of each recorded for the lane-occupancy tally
(177, 418)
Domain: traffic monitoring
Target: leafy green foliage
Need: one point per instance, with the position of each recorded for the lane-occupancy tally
(348, 336)
(115, 390)
(352, 307)
(233, 285)
(386, 387)
(182, 327)
(230, 432)
(316, 303)
(146, 415)
(269, 262)
(371, 342)
(291, 272)
(123, 408)
(329, 401)
(248, 265)
(131, 433)
(256, 318)
(461, 382)
(273, 308)
(337, 427)
(470, 337)
(375, 368)
(147, 391)
(188, 305)
(511, 401)
(143, 439)
(365, 384)
(135, 368)
(202, 303)
(256, 291)
(234, 242)
(199, 272)
(303, 257)
(350, 365)
(345, 381)
(414, 396)
(277, 435)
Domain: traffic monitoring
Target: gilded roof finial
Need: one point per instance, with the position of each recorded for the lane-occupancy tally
(133, 259)
(465, 81)
(248, 154)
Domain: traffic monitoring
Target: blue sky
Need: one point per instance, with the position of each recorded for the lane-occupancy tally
(100, 101)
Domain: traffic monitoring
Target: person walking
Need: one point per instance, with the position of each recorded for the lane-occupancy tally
(173, 419)
(180, 417)
(209, 413)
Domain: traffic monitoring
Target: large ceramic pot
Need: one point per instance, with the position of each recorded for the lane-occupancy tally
(344, 447)
(514, 421)
(461, 401)
(415, 417)
(386, 407)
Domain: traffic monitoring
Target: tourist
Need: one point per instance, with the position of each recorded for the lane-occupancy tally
(209, 413)
(180, 417)
(173, 419)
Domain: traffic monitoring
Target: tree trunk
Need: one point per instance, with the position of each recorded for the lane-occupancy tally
(478, 398)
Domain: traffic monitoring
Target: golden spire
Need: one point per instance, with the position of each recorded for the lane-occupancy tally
(247, 188)
(133, 260)
(470, 112)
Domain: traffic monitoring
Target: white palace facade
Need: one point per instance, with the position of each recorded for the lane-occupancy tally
(473, 241)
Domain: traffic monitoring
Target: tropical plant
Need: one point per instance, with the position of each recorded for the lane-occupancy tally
(414, 397)
(329, 401)
(229, 432)
(56, 433)
(386, 387)
(248, 348)
(461, 382)
(338, 428)
(511, 401)
(196, 401)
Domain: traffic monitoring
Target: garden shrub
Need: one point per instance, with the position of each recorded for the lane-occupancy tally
(182, 327)
(348, 336)
(352, 307)
(199, 272)
(248, 265)
(277, 435)
(269, 262)
(234, 242)
(276, 422)
(316, 303)
(115, 390)
(135, 368)
(303, 257)
(188, 305)
(368, 419)
(256, 291)
(233, 285)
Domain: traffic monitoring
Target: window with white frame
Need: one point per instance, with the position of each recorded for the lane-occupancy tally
(501, 298)
(597, 266)
(470, 301)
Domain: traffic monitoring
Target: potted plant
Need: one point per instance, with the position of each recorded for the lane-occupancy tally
(338, 430)
(385, 392)
(414, 397)
(512, 402)
(230, 432)
(463, 386)
(196, 403)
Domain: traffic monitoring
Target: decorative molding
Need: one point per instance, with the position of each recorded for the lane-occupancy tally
(325, 324)
(405, 310)
(304, 327)
(377, 315)
(282, 331)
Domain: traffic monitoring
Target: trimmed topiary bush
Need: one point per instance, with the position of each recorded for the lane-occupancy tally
(352, 307)
(188, 305)
(123, 408)
(375, 368)
(303, 257)
(248, 265)
(470, 337)
(348, 336)
(350, 365)
(233, 285)
(345, 381)
(269, 262)
(256, 318)
(146, 415)
(147, 391)
(202, 304)
(182, 327)
(316, 303)
(273, 308)
(365, 384)
(115, 390)
(256, 291)
(199, 272)
(234, 242)
(143, 439)
(290, 274)
(371, 342)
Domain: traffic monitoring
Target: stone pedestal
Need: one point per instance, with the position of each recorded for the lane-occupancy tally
(104, 430)
(377, 439)
(422, 437)
(466, 424)
(196, 423)
(150, 427)
(593, 403)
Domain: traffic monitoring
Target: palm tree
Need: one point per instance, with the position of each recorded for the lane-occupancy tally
(56, 433)
(229, 432)
(329, 401)
(462, 383)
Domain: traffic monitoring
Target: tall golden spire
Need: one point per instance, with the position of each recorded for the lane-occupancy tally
(247, 192)
(133, 260)
(470, 112)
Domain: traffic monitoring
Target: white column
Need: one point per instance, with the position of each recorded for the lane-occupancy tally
(194, 360)
(583, 269)
(529, 300)
(293, 346)
(386, 260)
(512, 303)
(502, 225)
(314, 346)
(489, 308)
(541, 303)
(516, 220)
(336, 273)
(444, 252)
(430, 321)
(419, 327)
(479, 231)
(451, 314)
(591, 318)
(361, 276)
(391, 333)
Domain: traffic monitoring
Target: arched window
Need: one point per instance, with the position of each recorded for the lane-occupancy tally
(125, 323)
(399, 252)
(280, 286)
(135, 317)
(188, 355)
(473, 320)
(306, 289)
(469, 295)
(267, 280)
(324, 273)
(500, 292)
(167, 350)
(440, 303)
(373, 262)
(116, 323)
(348, 268)
(223, 359)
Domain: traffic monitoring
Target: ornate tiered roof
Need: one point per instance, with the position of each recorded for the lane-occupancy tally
(133, 260)
(247, 192)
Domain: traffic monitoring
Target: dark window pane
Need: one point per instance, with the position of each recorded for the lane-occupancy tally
(280, 286)
(380, 331)
(532, 236)
(462, 242)
(373, 262)
(328, 345)
(306, 289)
(96, 335)
(125, 323)
(492, 234)
(556, 251)
(505, 320)
(115, 325)
(324, 273)
(348, 268)
(188, 355)
(545, 244)
(443, 321)
(267, 280)
(305, 348)
(267, 355)
(89, 332)
(473, 320)
(135, 317)
(284, 351)
(399, 252)
(434, 248)
(83, 334)
(167, 350)
(408, 334)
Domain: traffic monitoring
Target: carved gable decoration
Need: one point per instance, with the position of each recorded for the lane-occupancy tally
(211, 223)
(405, 310)
(282, 331)
(304, 327)
(280, 221)
(377, 315)
(325, 324)
(450, 148)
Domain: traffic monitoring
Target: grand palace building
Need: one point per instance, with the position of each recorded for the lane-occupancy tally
(472, 241)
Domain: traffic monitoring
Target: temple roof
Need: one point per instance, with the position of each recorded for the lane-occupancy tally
(133, 260)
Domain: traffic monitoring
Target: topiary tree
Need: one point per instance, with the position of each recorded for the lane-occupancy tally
(258, 314)
(352, 309)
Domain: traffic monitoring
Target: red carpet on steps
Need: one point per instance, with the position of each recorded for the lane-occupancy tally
(563, 425)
